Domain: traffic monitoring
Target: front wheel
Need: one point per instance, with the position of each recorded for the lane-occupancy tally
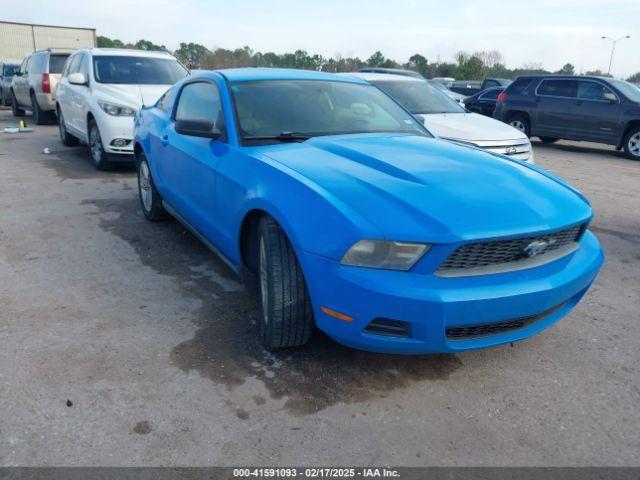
(97, 154)
(632, 144)
(286, 313)
(150, 199)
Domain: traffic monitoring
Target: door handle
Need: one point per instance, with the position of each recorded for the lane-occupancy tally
(164, 140)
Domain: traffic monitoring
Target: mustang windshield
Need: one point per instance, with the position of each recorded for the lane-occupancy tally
(419, 97)
(272, 111)
(137, 70)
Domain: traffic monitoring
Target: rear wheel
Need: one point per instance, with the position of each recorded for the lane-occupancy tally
(549, 139)
(520, 122)
(39, 116)
(286, 313)
(96, 151)
(66, 138)
(632, 144)
(150, 199)
(15, 108)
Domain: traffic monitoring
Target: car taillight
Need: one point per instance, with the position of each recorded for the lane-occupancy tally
(46, 83)
(502, 97)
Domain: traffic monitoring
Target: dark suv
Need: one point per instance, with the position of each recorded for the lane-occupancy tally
(592, 109)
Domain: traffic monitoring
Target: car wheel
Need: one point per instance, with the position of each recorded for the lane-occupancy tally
(66, 138)
(549, 139)
(632, 144)
(521, 123)
(286, 318)
(150, 199)
(96, 151)
(474, 110)
(15, 109)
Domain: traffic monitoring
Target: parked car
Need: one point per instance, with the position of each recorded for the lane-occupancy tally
(446, 119)
(446, 81)
(452, 95)
(7, 71)
(100, 92)
(593, 109)
(483, 102)
(471, 87)
(392, 71)
(355, 220)
(33, 86)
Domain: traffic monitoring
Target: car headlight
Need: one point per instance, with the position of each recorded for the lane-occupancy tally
(117, 110)
(384, 254)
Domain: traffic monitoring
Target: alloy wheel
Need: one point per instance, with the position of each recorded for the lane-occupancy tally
(146, 193)
(634, 144)
(518, 124)
(95, 144)
(61, 126)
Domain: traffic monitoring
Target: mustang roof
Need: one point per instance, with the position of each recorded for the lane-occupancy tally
(247, 74)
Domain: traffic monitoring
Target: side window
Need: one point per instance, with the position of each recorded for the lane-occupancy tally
(491, 83)
(23, 65)
(592, 90)
(201, 102)
(558, 88)
(27, 64)
(519, 86)
(84, 66)
(75, 63)
(166, 100)
(491, 94)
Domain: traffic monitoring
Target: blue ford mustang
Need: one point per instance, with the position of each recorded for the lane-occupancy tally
(355, 220)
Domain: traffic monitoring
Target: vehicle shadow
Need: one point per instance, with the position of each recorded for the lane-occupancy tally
(579, 148)
(73, 163)
(226, 349)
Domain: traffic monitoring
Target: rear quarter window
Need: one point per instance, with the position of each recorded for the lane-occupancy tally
(56, 63)
(519, 86)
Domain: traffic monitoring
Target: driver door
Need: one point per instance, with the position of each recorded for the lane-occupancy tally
(187, 163)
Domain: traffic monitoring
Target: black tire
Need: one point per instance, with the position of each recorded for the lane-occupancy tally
(520, 122)
(286, 318)
(66, 138)
(40, 117)
(549, 139)
(15, 108)
(475, 110)
(150, 199)
(631, 143)
(99, 158)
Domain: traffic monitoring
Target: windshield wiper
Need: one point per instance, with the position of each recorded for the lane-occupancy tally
(281, 137)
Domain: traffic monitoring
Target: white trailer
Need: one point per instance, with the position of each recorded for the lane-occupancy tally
(20, 39)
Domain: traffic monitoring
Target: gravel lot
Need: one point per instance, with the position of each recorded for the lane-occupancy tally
(128, 343)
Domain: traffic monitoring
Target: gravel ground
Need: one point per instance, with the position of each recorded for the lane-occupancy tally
(128, 343)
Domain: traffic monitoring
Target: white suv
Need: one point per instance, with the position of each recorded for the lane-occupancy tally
(101, 90)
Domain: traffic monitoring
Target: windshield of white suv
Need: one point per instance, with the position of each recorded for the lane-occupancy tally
(271, 111)
(56, 63)
(419, 97)
(628, 90)
(137, 70)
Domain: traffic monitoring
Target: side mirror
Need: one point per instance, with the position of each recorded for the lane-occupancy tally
(77, 78)
(197, 128)
(610, 97)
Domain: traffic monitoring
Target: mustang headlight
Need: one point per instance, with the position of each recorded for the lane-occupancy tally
(384, 254)
(117, 110)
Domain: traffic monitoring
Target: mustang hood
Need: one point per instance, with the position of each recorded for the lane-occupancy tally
(423, 189)
(469, 126)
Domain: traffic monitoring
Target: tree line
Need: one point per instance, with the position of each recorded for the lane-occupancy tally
(467, 66)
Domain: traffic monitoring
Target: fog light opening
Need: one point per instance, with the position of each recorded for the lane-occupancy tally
(120, 142)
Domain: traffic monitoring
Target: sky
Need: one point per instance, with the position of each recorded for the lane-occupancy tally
(547, 32)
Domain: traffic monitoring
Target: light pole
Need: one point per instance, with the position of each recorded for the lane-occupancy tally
(613, 48)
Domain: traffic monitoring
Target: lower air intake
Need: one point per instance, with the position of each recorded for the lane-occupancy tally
(388, 328)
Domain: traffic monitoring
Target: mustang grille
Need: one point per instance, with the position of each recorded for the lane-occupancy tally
(487, 329)
(486, 254)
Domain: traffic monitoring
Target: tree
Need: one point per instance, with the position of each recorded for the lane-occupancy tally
(567, 69)
(106, 42)
(147, 45)
(419, 63)
(376, 60)
(597, 73)
(470, 67)
(635, 78)
(192, 54)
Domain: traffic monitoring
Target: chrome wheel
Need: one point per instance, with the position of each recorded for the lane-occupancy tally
(518, 124)
(634, 144)
(144, 184)
(95, 143)
(264, 296)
